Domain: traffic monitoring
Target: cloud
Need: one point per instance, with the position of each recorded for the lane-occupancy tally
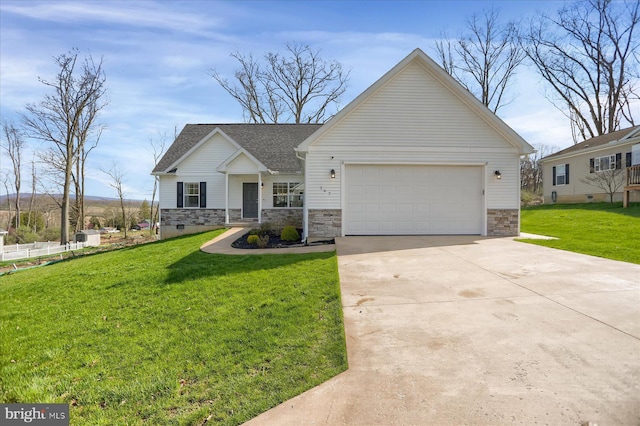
(147, 14)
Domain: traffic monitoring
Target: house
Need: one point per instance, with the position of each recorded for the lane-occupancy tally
(415, 153)
(616, 154)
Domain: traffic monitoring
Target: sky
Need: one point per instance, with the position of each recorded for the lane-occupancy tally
(157, 57)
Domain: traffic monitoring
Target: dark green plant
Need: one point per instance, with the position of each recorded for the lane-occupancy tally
(289, 233)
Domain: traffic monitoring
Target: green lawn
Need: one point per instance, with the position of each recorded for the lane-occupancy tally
(602, 229)
(165, 334)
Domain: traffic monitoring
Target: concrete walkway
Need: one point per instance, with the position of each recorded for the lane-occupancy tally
(470, 330)
(222, 245)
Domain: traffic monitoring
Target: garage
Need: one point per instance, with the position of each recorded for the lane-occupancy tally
(413, 199)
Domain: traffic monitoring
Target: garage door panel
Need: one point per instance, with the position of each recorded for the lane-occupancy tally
(395, 199)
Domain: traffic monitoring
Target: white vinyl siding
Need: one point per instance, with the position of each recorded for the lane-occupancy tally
(200, 166)
(413, 110)
(242, 165)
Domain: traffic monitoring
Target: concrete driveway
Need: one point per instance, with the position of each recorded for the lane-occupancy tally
(470, 330)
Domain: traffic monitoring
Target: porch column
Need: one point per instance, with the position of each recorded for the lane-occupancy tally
(226, 198)
(259, 197)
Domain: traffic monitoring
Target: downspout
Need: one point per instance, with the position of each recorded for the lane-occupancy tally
(226, 198)
(259, 196)
(305, 211)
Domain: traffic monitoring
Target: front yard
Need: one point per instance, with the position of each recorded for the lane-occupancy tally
(165, 334)
(600, 229)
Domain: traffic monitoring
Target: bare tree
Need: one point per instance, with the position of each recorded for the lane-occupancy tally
(5, 178)
(610, 181)
(531, 168)
(32, 201)
(117, 182)
(62, 118)
(300, 87)
(588, 56)
(485, 59)
(157, 150)
(14, 145)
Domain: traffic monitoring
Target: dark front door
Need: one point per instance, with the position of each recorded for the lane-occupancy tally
(250, 200)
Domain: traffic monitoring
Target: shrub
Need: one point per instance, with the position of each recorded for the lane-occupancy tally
(50, 234)
(289, 233)
(263, 241)
(26, 235)
(254, 231)
(265, 228)
(253, 239)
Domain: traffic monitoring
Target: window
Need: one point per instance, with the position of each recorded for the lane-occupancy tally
(288, 194)
(601, 164)
(192, 195)
(561, 174)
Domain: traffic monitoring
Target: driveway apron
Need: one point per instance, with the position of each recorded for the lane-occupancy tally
(471, 330)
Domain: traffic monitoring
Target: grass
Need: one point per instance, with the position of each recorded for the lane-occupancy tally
(165, 334)
(602, 229)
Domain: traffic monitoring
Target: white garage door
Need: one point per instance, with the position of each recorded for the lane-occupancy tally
(418, 200)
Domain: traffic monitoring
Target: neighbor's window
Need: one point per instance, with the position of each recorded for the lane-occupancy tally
(601, 164)
(561, 174)
(288, 194)
(192, 194)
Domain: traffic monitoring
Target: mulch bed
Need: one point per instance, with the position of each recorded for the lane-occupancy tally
(274, 242)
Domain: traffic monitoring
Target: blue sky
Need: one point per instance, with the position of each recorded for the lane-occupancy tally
(157, 55)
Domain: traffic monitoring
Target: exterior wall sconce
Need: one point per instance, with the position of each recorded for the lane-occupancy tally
(498, 174)
(333, 174)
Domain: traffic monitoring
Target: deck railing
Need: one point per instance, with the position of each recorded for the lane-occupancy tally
(633, 175)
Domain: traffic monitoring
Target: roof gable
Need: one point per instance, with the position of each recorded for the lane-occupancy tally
(442, 80)
(270, 145)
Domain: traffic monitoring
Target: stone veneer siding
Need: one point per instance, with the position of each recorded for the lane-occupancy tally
(235, 215)
(502, 222)
(325, 223)
(190, 217)
(282, 217)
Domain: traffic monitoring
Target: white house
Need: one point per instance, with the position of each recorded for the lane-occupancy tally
(415, 153)
(615, 155)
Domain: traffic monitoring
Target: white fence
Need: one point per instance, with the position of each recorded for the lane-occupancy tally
(24, 251)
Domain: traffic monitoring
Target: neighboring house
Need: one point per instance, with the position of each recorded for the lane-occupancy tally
(616, 154)
(415, 153)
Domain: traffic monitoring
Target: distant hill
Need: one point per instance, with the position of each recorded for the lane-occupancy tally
(87, 198)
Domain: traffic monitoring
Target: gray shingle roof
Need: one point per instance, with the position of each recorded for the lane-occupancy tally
(272, 144)
(593, 142)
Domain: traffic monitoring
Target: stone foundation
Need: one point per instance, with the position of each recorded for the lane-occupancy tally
(176, 222)
(502, 222)
(325, 223)
(235, 215)
(279, 218)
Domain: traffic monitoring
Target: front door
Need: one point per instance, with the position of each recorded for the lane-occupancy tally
(249, 200)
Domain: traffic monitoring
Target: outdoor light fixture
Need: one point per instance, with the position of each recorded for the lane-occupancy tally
(333, 174)
(498, 174)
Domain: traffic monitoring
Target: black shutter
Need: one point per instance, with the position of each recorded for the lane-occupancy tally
(554, 175)
(592, 167)
(618, 161)
(628, 159)
(566, 174)
(203, 195)
(180, 199)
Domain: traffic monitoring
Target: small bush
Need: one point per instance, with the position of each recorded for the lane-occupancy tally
(253, 239)
(263, 241)
(265, 228)
(254, 231)
(289, 233)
